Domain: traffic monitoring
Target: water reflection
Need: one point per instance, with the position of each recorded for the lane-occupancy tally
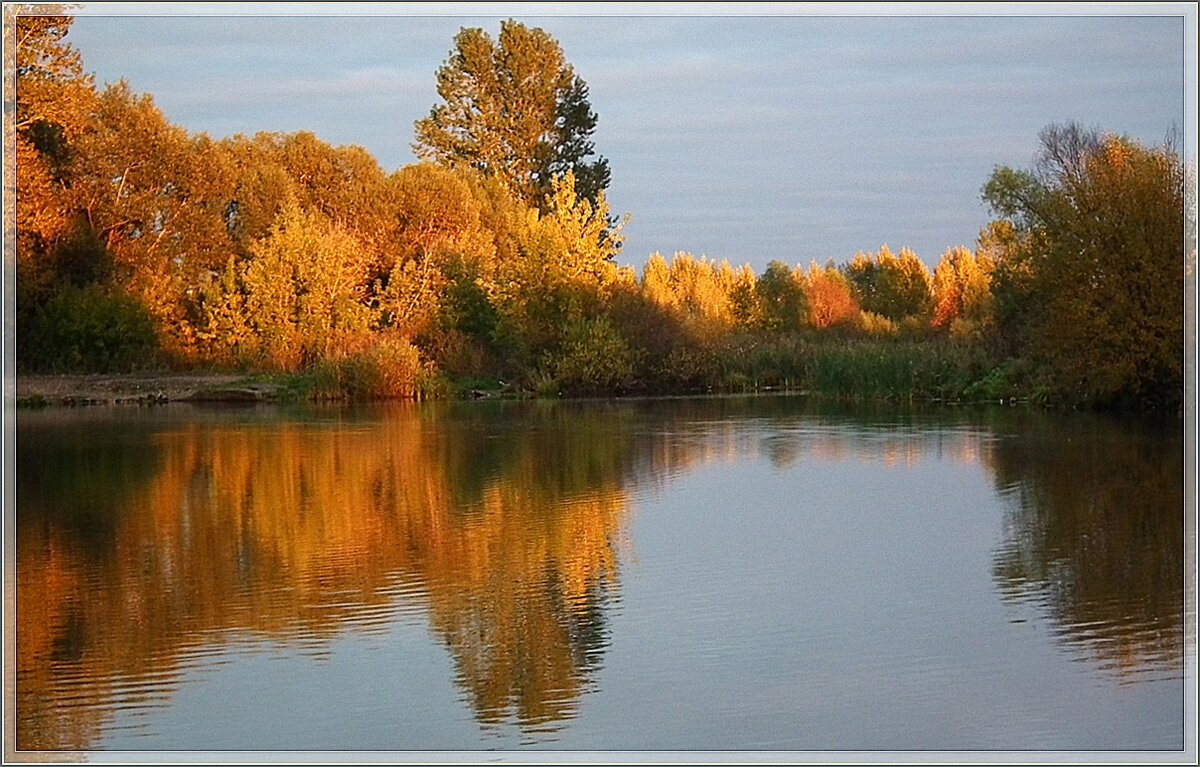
(1094, 536)
(138, 541)
(150, 543)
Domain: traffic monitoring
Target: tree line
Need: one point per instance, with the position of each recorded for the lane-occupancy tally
(139, 244)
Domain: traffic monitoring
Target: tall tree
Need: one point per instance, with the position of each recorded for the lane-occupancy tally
(154, 197)
(52, 98)
(1093, 262)
(514, 108)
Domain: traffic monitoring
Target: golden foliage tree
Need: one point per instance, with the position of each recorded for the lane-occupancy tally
(437, 226)
(155, 198)
(962, 293)
(563, 267)
(697, 291)
(52, 98)
(299, 298)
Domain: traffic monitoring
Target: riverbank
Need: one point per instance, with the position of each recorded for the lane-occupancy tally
(139, 389)
(144, 389)
(66, 390)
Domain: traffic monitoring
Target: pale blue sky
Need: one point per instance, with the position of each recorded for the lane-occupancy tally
(794, 137)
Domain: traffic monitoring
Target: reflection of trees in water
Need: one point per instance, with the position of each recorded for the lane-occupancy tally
(142, 550)
(1094, 534)
(506, 530)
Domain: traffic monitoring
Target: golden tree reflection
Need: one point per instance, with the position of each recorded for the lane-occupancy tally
(295, 531)
(148, 545)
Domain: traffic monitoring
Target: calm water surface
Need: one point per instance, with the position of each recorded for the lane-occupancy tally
(679, 574)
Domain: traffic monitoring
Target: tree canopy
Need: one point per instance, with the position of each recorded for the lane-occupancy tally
(513, 108)
(1092, 265)
(139, 244)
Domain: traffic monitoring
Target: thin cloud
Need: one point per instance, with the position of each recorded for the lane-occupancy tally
(741, 138)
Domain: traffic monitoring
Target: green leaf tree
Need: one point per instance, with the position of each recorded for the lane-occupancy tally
(895, 287)
(513, 108)
(781, 294)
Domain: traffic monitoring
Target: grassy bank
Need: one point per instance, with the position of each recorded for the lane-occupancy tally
(848, 369)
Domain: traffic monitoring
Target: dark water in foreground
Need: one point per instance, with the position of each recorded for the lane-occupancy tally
(737, 574)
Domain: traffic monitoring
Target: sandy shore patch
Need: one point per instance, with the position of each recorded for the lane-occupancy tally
(117, 389)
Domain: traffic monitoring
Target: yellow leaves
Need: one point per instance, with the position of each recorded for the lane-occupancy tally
(50, 84)
(697, 291)
(298, 298)
(433, 202)
(41, 208)
(562, 270)
(1116, 153)
(573, 238)
(962, 290)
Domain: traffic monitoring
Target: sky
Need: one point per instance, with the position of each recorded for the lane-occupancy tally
(801, 133)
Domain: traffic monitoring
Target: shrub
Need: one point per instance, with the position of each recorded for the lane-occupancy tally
(593, 358)
(873, 324)
(390, 368)
(91, 330)
(689, 367)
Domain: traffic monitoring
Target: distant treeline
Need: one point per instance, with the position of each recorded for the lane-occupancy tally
(140, 245)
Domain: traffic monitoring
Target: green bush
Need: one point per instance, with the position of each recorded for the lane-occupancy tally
(592, 359)
(91, 330)
(756, 360)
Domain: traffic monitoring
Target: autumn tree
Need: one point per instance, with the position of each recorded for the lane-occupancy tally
(695, 290)
(433, 276)
(112, 198)
(831, 302)
(343, 183)
(52, 100)
(513, 108)
(962, 293)
(299, 297)
(559, 279)
(155, 197)
(1095, 257)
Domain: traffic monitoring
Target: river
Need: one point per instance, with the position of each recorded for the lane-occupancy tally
(746, 574)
